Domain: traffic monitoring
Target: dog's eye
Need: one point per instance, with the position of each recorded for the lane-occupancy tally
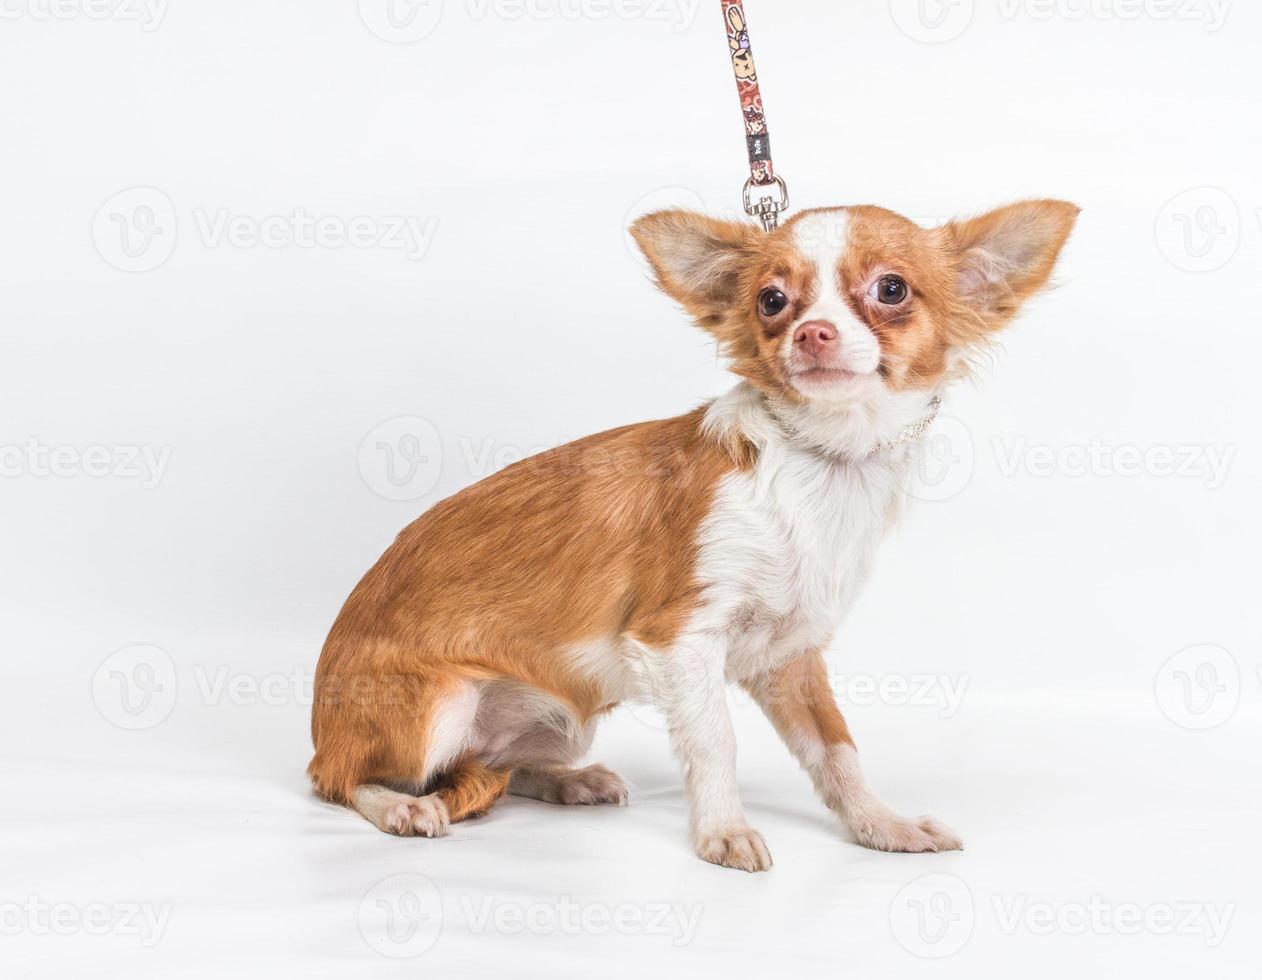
(890, 290)
(771, 302)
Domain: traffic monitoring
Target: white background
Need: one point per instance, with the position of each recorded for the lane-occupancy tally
(1052, 572)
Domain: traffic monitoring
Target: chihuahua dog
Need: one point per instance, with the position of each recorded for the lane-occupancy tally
(661, 561)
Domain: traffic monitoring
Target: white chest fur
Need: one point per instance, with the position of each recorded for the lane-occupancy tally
(787, 547)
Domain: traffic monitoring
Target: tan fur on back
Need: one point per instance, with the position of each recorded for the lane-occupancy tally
(594, 539)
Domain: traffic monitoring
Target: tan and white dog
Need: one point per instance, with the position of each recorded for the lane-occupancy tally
(662, 560)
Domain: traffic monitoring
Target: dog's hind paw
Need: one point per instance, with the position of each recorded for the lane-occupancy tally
(424, 816)
(591, 786)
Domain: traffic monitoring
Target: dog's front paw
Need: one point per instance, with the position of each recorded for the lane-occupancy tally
(741, 848)
(894, 833)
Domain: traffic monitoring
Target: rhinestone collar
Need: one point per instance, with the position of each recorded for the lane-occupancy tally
(909, 434)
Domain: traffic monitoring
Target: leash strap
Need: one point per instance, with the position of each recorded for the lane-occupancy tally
(757, 139)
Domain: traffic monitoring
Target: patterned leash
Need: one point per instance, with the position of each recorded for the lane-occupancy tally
(758, 141)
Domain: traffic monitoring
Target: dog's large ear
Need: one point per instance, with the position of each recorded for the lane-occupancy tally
(697, 260)
(1005, 257)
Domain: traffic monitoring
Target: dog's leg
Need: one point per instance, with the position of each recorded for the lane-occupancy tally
(800, 703)
(690, 693)
(468, 790)
(592, 785)
(471, 788)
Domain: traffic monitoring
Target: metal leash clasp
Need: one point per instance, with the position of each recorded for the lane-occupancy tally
(757, 134)
(768, 209)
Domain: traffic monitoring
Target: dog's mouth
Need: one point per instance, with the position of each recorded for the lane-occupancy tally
(812, 379)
